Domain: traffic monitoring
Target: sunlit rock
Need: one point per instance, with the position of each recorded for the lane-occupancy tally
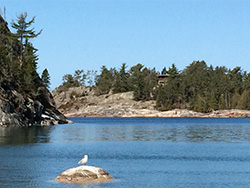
(84, 175)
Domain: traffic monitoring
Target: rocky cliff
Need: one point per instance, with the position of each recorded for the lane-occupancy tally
(82, 101)
(24, 99)
(27, 109)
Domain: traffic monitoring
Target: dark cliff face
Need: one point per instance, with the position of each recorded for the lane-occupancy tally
(23, 106)
(26, 110)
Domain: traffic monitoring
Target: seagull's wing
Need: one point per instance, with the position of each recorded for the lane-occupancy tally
(80, 162)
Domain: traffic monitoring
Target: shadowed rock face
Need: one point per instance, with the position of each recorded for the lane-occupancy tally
(27, 109)
(84, 175)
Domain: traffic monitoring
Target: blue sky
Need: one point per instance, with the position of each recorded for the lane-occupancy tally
(86, 34)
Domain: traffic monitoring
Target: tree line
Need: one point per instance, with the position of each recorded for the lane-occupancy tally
(18, 56)
(198, 87)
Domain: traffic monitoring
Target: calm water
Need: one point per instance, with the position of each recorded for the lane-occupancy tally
(138, 152)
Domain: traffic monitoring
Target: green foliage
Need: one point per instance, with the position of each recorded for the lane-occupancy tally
(198, 87)
(105, 80)
(21, 55)
(244, 102)
(28, 67)
(121, 80)
(169, 94)
(150, 82)
(246, 81)
(173, 71)
(137, 82)
(76, 80)
(201, 104)
(6, 49)
(203, 89)
(196, 79)
(46, 78)
(23, 33)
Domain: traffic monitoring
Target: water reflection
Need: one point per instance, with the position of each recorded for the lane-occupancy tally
(155, 131)
(24, 135)
(128, 130)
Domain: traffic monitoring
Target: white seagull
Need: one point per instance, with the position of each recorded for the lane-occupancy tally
(84, 160)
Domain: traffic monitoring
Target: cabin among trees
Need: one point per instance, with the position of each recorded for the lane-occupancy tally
(198, 87)
(162, 78)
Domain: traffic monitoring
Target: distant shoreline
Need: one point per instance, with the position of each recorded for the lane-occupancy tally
(72, 103)
(176, 113)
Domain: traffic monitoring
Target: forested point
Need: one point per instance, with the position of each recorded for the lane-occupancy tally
(24, 96)
(198, 87)
(18, 56)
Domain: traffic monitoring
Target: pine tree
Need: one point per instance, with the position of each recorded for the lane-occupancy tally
(173, 71)
(23, 33)
(9, 72)
(244, 101)
(68, 81)
(79, 78)
(121, 80)
(137, 82)
(105, 81)
(150, 83)
(46, 78)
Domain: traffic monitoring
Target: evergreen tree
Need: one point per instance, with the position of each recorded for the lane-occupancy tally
(28, 68)
(173, 71)
(201, 104)
(9, 72)
(121, 80)
(105, 81)
(79, 78)
(246, 83)
(76, 80)
(244, 102)
(150, 83)
(235, 100)
(164, 71)
(68, 81)
(222, 103)
(137, 82)
(212, 102)
(23, 31)
(46, 78)
(195, 81)
(163, 101)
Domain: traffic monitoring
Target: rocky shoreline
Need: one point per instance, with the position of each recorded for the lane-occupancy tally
(82, 102)
(18, 110)
(171, 114)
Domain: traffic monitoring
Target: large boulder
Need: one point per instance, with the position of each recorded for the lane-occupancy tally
(84, 175)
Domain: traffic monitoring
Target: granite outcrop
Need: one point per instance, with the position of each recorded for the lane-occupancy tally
(84, 175)
(83, 102)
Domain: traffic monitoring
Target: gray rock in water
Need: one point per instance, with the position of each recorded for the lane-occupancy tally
(84, 175)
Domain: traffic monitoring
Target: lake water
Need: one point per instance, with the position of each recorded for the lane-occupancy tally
(137, 152)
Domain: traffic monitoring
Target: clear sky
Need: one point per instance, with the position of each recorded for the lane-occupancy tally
(86, 34)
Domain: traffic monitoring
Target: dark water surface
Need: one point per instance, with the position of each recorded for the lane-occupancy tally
(138, 152)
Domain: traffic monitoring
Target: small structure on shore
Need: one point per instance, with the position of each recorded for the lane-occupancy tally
(162, 78)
